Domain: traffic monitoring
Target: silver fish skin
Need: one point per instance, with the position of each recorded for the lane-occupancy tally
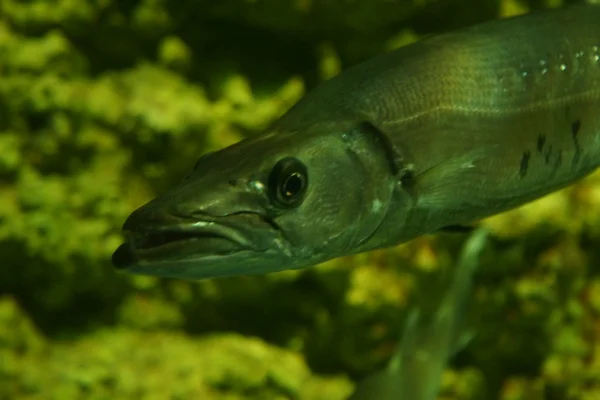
(415, 370)
(446, 131)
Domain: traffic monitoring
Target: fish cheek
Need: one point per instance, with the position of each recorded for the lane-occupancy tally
(335, 215)
(350, 185)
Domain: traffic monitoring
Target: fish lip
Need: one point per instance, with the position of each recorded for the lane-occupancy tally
(180, 236)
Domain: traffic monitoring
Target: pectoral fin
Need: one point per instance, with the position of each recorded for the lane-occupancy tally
(454, 183)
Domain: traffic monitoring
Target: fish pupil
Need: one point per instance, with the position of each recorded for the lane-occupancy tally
(293, 185)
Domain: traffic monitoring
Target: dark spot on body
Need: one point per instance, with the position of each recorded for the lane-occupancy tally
(541, 141)
(524, 164)
(575, 127)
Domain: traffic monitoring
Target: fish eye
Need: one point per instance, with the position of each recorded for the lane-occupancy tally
(288, 182)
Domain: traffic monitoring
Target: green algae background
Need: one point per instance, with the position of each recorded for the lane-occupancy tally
(105, 103)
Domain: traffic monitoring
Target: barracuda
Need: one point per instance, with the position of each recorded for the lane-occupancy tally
(442, 132)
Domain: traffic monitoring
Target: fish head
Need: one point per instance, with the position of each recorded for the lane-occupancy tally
(282, 200)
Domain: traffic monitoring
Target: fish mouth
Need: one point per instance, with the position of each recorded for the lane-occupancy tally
(185, 240)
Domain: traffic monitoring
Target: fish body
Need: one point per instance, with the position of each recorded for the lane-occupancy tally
(442, 132)
(415, 369)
